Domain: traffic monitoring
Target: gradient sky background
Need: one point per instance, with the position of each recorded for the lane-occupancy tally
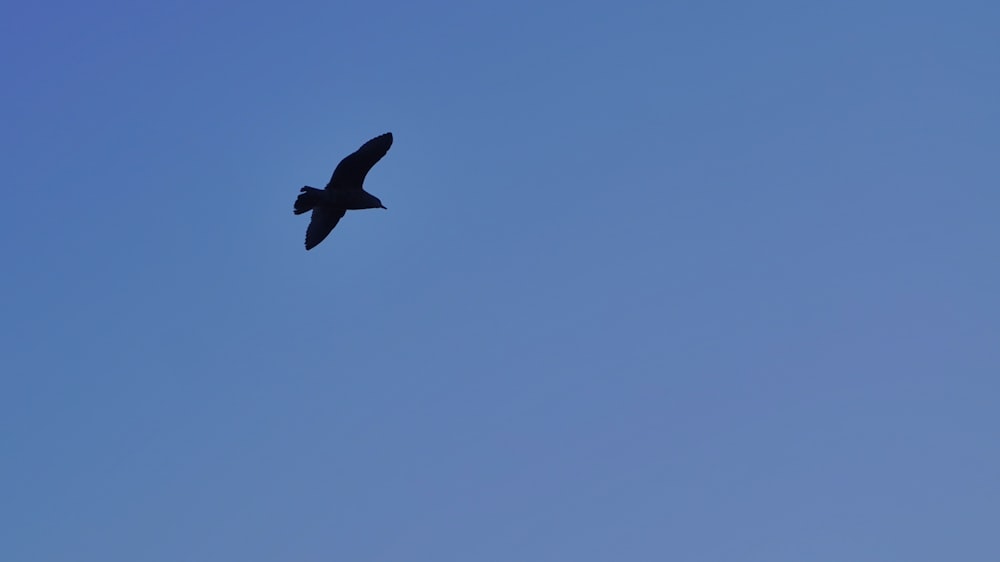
(692, 281)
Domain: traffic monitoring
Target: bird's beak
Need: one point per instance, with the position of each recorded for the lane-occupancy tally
(383, 206)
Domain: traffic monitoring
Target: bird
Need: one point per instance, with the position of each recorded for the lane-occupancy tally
(343, 192)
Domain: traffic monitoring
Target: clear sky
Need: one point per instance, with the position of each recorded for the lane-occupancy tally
(694, 281)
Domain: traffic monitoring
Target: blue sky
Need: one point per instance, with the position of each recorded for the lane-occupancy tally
(657, 281)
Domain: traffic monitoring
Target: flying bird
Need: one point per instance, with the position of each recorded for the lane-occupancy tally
(344, 191)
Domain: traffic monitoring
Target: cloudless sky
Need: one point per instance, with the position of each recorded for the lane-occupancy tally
(696, 281)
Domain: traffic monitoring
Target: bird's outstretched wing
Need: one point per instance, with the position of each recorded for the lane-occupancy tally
(322, 223)
(351, 171)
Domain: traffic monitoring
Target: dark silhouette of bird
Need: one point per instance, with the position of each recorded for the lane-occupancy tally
(344, 191)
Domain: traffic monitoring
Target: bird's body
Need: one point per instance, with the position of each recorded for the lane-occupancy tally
(343, 192)
(347, 199)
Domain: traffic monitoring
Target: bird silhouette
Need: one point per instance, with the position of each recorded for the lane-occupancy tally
(344, 191)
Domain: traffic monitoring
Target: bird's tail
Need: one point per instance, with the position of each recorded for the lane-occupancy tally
(307, 199)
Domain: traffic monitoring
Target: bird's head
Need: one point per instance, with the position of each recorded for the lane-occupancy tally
(369, 201)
